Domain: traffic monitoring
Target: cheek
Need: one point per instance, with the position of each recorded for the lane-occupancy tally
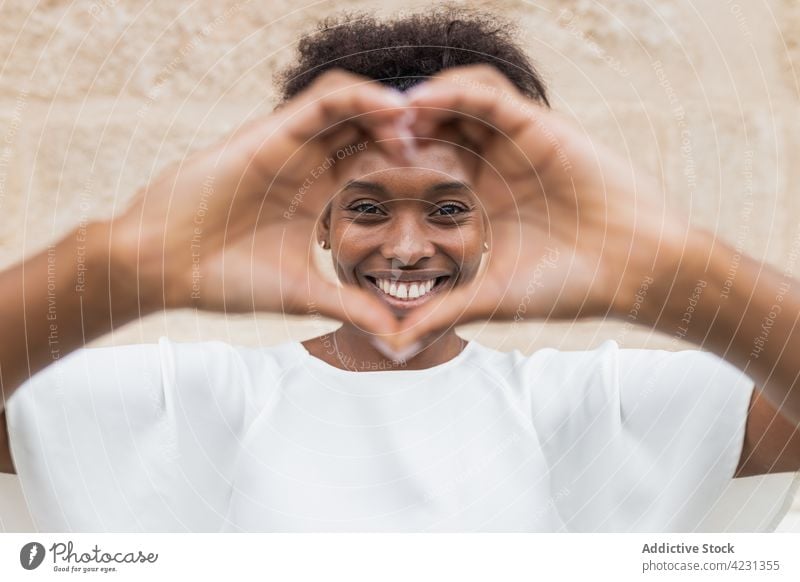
(349, 247)
(465, 246)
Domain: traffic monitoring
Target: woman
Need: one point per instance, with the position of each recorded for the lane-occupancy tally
(421, 152)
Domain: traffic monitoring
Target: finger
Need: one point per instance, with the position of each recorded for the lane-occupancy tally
(339, 97)
(478, 91)
(351, 305)
(475, 134)
(469, 137)
(297, 285)
(457, 307)
(481, 95)
(338, 138)
(342, 137)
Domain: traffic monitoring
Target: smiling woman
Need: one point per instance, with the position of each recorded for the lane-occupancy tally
(405, 234)
(415, 244)
(469, 200)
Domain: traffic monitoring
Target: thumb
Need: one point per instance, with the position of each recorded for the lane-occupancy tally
(457, 307)
(350, 304)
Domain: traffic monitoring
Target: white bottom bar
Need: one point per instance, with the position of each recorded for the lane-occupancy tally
(403, 557)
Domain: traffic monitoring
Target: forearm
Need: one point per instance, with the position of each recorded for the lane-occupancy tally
(54, 302)
(727, 303)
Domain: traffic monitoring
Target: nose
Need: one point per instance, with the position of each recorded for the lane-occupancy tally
(407, 242)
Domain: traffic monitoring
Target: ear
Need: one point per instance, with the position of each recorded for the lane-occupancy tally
(486, 232)
(324, 226)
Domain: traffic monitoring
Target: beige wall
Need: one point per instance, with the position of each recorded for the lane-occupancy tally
(96, 96)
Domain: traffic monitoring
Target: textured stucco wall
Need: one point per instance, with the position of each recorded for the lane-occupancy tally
(97, 96)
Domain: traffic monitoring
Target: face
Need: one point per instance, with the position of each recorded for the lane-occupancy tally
(405, 234)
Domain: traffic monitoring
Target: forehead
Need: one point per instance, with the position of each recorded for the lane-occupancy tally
(431, 164)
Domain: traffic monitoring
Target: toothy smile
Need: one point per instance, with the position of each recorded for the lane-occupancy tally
(407, 290)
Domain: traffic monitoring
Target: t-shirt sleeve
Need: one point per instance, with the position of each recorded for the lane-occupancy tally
(648, 440)
(108, 439)
(685, 413)
(683, 416)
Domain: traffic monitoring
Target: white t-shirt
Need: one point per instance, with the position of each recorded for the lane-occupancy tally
(214, 437)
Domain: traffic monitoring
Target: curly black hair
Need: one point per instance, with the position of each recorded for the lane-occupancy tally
(404, 51)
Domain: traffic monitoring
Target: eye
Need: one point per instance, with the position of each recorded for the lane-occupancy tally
(450, 209)
(366, 208)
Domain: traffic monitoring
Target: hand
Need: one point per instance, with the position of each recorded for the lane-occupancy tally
(232, 227)
(573, 228)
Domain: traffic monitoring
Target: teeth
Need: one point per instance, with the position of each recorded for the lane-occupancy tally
(406, 290)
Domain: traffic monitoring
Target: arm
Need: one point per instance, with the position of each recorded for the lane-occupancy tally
(579, 235)
(51, 308)
(771, 441)
(222, 231)
(741, 310)
(6, 463)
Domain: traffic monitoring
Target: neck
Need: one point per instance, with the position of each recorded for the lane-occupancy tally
(349, 348)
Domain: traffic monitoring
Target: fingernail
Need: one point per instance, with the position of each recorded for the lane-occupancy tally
(417, 91)
(393, 354)
(407, 139)
(398, 98)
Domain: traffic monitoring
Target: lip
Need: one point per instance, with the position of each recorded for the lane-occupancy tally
(403, 305)
(414, 275)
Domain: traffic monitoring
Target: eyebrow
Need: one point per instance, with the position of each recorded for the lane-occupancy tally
(380, 190)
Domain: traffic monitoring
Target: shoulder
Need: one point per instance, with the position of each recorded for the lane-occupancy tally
(166, 368)
(607, 363)
(171, 356)
(550, 366)
(550, 385)
(226, 368)
(266, 359)
(678, 379)
(579, 384)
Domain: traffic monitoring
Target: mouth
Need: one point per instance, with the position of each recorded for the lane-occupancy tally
(408, 293)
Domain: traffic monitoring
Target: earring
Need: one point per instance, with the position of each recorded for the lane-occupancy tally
(485, 246)
(323, 243)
